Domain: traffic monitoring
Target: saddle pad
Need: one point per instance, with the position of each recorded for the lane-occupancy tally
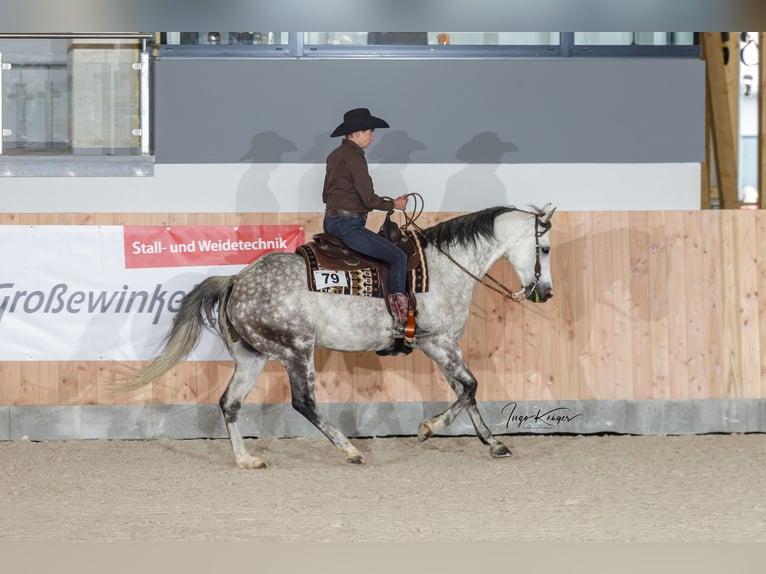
(365, 281)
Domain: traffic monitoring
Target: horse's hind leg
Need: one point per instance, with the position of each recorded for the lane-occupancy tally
(458, 375)
(496, 448)
(300, 370)
(249, 364)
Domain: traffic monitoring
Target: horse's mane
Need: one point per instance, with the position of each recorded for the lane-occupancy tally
(465, 229)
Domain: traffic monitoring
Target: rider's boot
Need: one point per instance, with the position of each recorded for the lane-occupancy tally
(398, 304)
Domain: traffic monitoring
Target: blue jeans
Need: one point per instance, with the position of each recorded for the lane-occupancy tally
(352, 231)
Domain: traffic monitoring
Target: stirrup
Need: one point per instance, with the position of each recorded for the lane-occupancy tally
(396, 348)
(401, 331)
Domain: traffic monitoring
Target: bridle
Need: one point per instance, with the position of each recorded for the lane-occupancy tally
(541, 228)
(498, 286)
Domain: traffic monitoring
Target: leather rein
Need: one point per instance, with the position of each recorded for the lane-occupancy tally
(496, 285)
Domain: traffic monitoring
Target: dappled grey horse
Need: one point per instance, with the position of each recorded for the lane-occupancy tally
(266, 311)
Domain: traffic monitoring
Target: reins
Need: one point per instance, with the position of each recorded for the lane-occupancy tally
(498, 287)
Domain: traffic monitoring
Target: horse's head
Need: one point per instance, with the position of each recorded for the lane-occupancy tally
(528, 244)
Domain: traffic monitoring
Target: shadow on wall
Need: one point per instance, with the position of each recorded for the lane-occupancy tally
(611, 304)
(605, 270)
(254, 192)
(390, 147)
(394, 147)
(478, 185)
(310, 185)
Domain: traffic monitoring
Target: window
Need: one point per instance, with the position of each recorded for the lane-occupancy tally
(431, 38)
(636, 44)
(77, 104)
(429, 44)
(634, 38)
(225, 38)
(224, 44)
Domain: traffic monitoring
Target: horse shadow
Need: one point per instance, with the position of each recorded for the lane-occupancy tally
(593, 270)
(600, 306)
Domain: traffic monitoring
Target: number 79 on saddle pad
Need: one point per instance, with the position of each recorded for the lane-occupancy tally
(324, 279)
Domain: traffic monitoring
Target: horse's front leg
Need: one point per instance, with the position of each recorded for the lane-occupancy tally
(447, 355)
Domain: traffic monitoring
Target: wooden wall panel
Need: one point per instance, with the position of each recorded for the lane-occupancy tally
(647, 305)
(760, 263)
(678, 352)
(694, 302)
(714, 281)
(602, 330)
(10, 375)
(584, 303)
(636, 291)
(747, 323)
(621, 304)
(564, 269)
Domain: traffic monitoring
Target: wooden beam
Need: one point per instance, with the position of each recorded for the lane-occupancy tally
(731, 70)
(706, 191)
(762, 120)
(724, 150)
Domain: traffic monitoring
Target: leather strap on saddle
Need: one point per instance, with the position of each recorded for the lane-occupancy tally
(409, 326)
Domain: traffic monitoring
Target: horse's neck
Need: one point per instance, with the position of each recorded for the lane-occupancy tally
(465, 264)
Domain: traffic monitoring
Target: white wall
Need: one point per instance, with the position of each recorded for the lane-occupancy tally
(297, 188)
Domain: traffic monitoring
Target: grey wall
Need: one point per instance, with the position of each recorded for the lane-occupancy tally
(441, 111)
(185, 421)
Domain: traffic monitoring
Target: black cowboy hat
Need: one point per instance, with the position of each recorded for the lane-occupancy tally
(357, 120)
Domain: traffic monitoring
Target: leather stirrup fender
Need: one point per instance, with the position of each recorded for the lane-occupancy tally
(409, 327)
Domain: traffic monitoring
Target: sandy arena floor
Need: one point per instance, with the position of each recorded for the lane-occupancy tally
(553, 488)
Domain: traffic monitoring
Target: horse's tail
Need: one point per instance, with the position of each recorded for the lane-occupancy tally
(197, 309)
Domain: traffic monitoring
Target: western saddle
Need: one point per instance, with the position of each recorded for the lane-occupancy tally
(332, 253)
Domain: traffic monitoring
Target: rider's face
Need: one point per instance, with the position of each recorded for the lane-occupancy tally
(362, 138)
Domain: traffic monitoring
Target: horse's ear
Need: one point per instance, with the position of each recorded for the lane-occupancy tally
(548, 212)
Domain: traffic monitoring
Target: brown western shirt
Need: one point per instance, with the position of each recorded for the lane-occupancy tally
(347, 182)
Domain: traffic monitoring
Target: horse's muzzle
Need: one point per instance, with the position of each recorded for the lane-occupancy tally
(540, 293)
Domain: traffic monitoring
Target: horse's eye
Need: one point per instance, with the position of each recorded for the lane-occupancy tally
(545, 250)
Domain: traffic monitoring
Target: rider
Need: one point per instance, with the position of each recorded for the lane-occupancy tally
(349, 196)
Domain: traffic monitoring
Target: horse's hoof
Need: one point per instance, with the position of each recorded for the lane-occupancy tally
(356, 459)
(251, 462)
(425, 432)
(499, 451)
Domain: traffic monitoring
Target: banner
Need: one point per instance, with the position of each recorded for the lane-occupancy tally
(110, 292)
(156, 246)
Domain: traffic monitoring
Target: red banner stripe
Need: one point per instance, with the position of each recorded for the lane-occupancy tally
(199, 245)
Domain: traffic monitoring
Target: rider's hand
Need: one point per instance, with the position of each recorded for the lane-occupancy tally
(400, 202)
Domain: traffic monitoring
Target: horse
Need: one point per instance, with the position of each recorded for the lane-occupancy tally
(266, 311)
